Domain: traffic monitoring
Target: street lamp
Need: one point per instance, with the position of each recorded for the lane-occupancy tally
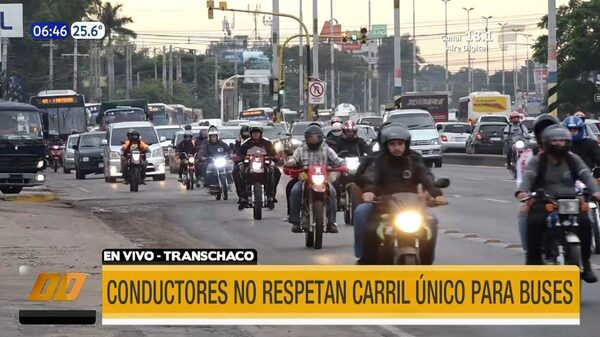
(527, 60)
(487, 49)
(446, 32)
(502, 48)
(468, 10)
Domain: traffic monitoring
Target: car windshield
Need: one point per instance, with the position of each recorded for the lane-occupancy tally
(270, 133)
(126, 115)
(72, 140)
(529, 124)
(299, 128)
(414, 120)
(494, 119)
(362, 133)
(457, 128)
(375, 121)
(92, 140)
(168, 133)
(20, 125)
(65, 119)
(492, 129)
(370, 132)
(147, 134)
(280, 129)
(229, 133)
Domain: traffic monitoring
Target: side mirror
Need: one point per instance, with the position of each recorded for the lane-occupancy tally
(74, 147)
(104, 142)
(163, 139)
(439, 127)
(442, 183)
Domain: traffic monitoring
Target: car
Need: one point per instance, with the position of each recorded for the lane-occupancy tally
(486, 138)
(229, 134)
(370, 132)
(167, 131)
(89, 154)
(297, 132)
(425, 138)
(172, 152)
(69, 154)
(374, 121)
(454, 135)
(493, 119)
(529, 122)
(117, 135)
(592, 126)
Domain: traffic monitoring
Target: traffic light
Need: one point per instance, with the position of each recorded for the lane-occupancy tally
(210, 4)
(353, 37)
(344, 37)
(282, 88)
(363, 35)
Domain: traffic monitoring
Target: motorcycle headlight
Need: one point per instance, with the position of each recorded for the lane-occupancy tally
(296, 142)
(157, 153)
(409, 221)
(278, 147)
(256, 166)
(135, 156)
(55, 147)
(115, 155)
(40, 164)
(318, 179)
(434, 141)
(352, 164)
(520, 144)
(220, 162)
(376, 147)
(191, 160)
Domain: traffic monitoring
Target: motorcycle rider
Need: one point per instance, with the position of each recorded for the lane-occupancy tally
(133, 139)
(273, 175)
(185, 147)
(514, 130)
(555, 171)
(201, 137)
(312, 152)
(393, 170)
(350, 142)
(237, 150)
(212, 147)
(586, 148)
(334, 136)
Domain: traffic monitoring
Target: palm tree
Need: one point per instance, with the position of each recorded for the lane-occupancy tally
(113, 22)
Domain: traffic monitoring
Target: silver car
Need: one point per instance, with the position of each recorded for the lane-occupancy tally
(454, 135)
(69, 154)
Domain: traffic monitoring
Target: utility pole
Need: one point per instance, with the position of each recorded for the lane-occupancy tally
(527, 60)
(75, 66)
(301, 93)
(275, 45)
(179, 71)
(127, 70)
(155, 66)
(515, 75)
(51, 64)
(487, 50)
(195, 74)
(217, 78)
(164, 67)
(332, 57)
(414, 49)
(171, 70)
(446, 35)
(469, 46)
(397, 51)
(502, 47)
(370, 65)
(552, 64)
(315, 52)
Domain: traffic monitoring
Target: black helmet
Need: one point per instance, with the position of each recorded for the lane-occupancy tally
(133, 134)
(394, 131)
(541, 123)
(317, 124)
(188, 127)
(313, 135)
(556, 132)
(245, 131)
(188, 135)
(256, 128)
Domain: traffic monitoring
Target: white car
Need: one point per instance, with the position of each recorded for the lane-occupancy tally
(117, 134)
(492, 119)
(167, 131)
(69, 154)
(454, 135)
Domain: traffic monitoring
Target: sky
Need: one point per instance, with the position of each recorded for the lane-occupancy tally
(177, 22)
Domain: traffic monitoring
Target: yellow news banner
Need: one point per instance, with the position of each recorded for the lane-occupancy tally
(543, 293)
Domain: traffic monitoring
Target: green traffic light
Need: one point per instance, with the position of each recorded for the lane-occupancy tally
(354, 37)
(282, 92)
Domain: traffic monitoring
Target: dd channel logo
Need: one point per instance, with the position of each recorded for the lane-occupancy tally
(58, 287)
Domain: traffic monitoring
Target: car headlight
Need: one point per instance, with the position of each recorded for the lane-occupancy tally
(220, 162)
(40, 164)
(85, 158)
(376, 147)
(408, 221)
(318, 179)
(115, 155)
(520, 144)
(278, 147)
(157, 153)
(435, 141)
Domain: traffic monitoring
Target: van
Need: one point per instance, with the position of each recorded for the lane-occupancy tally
(116, 134)
(425, 138)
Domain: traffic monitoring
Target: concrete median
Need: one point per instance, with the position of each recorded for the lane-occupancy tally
(33, 197)
(474, 159)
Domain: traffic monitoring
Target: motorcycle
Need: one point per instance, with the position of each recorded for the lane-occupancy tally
(188, 176)
(402, 225)
(315, 197)
(256, 180)
(518, 148)
(135, 165)
(56, 155)
(345, 202)
(563, 246)
(594, 210)
(222, 169)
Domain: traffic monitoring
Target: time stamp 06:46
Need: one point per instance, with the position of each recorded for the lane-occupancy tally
(468, 41)
(83, 30)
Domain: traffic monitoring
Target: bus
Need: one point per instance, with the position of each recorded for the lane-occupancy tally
(257, 114)
(62, 111)
(192, 115)
(160, 113)
(477, 104)
(178, 117)
(122, 104)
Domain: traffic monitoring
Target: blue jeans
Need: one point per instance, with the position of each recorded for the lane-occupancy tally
(296, 203)
(361, 220)
(522, 218)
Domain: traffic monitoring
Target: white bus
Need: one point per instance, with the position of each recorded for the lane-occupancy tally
(478, 104)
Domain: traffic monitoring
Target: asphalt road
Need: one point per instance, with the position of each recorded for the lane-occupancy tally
(478, 227)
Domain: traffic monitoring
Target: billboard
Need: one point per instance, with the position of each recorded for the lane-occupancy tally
(256, 63)
(490, 104)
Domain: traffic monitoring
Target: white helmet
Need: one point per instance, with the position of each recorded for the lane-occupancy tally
(336, 129)
(213, 131)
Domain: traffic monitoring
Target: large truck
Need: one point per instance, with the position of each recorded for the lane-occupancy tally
(436, 103)
(122, 105)
(481, 103)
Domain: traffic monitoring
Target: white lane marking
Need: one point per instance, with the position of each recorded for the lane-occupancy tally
(84, 190)
(475, 179)
(498, 200)
(508, 180)
(455, 195)
(476, 166)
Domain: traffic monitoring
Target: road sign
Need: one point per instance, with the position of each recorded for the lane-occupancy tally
(316, 90)
(11, 20)
(597, 98)
(233, 56)
(378, 31)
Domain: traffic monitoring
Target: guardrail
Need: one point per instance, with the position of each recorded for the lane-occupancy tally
(474, 159)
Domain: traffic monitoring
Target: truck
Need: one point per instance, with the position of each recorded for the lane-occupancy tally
(125, 103)
(22, 147)
(481, 103)
(436, 103)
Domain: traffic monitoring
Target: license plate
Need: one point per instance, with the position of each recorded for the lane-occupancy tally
(101, 165)
(460, 139)
(495, 139)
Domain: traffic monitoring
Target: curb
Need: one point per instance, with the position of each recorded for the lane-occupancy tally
(474, 159)
(30, 198)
